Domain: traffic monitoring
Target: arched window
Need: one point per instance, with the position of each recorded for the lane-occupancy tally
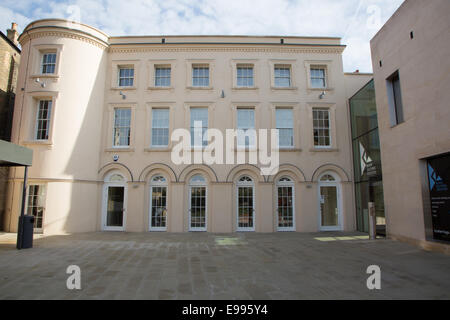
(158, 180)
(197, 179)
(327, 177)
(115, 177)
(285, 204)
(245, 179)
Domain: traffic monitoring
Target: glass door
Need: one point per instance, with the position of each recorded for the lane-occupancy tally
(329, 208)
(197, 210)
(115, 207)
(246, 211)
(285, 210)
(158, 218)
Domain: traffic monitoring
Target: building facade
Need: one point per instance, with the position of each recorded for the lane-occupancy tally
(412, 84)
(9, 69)
(99, 113)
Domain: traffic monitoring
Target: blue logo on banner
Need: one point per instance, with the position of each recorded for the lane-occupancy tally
(435, 179)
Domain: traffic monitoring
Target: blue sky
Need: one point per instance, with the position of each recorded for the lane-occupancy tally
(356, 21)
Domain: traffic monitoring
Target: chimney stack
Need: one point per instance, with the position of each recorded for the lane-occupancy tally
(13, 34)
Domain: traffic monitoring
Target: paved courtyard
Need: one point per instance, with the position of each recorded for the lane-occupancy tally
(220, 266)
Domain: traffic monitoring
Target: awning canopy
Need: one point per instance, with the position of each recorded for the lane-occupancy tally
(13, 155)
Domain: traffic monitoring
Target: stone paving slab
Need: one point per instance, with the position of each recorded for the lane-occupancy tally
(220, 266)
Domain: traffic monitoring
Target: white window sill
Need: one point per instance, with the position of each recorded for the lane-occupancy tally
(120, 149)
(284, 88)
(244, 88)
(45, 76)
(38, 142)
(160, 88)
(323, 149)
(199, 88)
(158, 149)
(320, 89)
(124, 88)
(288, 149)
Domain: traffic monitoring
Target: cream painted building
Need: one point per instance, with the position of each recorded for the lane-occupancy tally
(410, 56)
(98, 112)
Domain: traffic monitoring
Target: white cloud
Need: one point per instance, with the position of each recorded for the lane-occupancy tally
(263, 17)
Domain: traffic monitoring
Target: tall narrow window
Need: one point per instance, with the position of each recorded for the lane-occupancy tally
(284, 123)
(48, 63)
(199, 117)
(126, 76)
(162, 76)
(36, 204)
(122, 121)
(285, 204)
(245, 204)
(158, 214)
(246, 126)
(244, 76)
(43, 119)
(197, 203)
(282, 76)
(160, 127)
(321, 127)
(318, 77)
(395, 99)
(200, 76)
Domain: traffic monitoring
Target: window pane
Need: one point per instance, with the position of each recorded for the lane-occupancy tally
(122, 119)
(126, 77)
(321, 127)
(282, 77)
(162, 77)
(245, 76)
(43, 119)
(36, 204)
(200, 76)
(160, 127)
(201, 115)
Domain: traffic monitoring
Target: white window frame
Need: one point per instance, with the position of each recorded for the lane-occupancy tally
(125, 67)
(43, 64)
(245, 129)
(329, 128)
(37, 230)
(193, 184)
(191, 128)
(158, 184)
(108, 183)
(337, 184)
(114, 128)
(245, 67)
(49, 119)
(324, 69)
(282, 184)
(201, 66)
(245, 184)
(284, 67)
(326, 65)
(158, 66)
(168, 128)
(277, 126)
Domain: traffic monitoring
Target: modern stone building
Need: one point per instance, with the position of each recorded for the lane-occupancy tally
(99, 112)
(410, 56)
(9, 69)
